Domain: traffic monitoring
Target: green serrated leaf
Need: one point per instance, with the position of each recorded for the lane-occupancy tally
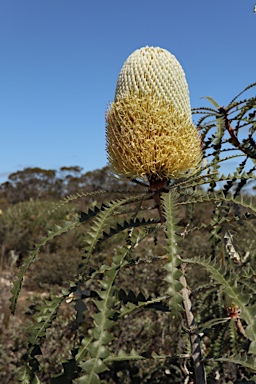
(99, 350)
(241, 359)
(94, 366)
(32, 255)
(93, 378)
(104, 336)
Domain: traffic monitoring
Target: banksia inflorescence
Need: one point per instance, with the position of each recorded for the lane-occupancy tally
(149, 127)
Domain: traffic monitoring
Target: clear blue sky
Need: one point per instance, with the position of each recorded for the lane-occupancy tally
(60, 60)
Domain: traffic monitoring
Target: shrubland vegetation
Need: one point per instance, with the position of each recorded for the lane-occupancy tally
(107, 293)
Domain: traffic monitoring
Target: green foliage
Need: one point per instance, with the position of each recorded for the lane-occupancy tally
(37, 332)
(135, 317)
(58, 230)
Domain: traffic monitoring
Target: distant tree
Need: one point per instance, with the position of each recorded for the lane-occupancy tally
(37, 183)
(70, 177)
(103, 179)
(30, 183)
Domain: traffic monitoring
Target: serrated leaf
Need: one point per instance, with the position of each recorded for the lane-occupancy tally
(94, 366)
(93, 378)
(96, 349)
(173, 261)
(32, 255)
(104, 336)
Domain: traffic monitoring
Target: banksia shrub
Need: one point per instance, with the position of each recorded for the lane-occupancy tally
(136, 266)
(149, 127)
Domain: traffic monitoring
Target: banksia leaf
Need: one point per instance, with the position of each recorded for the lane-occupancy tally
(149, 128)
(241, 359)
(173, 272)
(58, 230)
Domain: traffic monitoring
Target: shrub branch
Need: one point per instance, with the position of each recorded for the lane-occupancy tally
(199, 370)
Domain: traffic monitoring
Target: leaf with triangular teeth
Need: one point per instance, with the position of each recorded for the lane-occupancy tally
(141, 297)
(241, 359)
(134, 353)
(131, 297)
(104, 336)
(122, 353)
(122, 294)
(94, 366)
(156, 356)
(57, 227)
(96, 349)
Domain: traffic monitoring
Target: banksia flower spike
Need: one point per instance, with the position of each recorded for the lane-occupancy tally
(149, 128)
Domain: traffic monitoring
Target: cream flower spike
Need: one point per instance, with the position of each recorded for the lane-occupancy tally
(149, 130)
(154, 70)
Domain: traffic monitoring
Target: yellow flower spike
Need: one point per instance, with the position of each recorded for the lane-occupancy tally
(149, 130)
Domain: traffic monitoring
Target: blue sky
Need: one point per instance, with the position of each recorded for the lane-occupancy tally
(60, 60)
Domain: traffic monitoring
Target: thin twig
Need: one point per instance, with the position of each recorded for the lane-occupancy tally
(234, 139)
